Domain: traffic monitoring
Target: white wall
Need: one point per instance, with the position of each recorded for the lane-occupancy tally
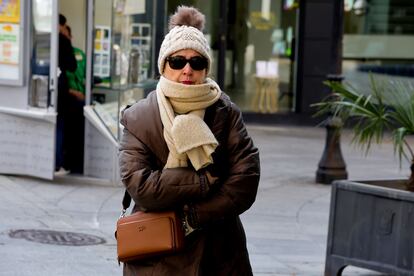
(103, 13)
(75, 12)
(27, 144)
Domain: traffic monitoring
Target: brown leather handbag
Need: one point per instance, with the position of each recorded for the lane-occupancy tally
(147, 234)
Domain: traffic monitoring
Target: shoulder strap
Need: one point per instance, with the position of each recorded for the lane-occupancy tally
(126, 201)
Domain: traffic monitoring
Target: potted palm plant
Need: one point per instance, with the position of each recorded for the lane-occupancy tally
(386, 106)
(371, 221)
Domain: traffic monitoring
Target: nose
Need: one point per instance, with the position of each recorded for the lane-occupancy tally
(187, 69)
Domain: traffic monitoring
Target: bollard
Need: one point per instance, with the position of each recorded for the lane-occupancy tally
(332, 165)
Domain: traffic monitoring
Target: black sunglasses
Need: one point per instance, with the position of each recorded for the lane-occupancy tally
(178, 62)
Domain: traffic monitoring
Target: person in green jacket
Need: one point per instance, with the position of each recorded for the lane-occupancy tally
(77, 78)
(75, 122)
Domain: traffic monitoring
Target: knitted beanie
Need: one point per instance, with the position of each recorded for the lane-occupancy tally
(185, 32)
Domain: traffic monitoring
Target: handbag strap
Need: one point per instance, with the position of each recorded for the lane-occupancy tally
(126, 202)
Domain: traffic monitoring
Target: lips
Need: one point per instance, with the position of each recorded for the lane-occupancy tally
(187, 82)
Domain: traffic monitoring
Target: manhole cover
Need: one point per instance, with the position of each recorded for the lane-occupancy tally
(56, 237)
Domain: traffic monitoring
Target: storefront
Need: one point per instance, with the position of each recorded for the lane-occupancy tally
(253, 45)
(120, 39)
(270, 56)
(27, 118)
(117, 38)
(252, 50)
(28, 86)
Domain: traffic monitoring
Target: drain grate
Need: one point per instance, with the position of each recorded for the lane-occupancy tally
(56, 237)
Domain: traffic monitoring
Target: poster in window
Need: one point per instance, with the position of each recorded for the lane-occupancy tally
(10, 11)
(102, 51)
(9, 44)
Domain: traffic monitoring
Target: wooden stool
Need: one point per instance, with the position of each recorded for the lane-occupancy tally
(266, 94)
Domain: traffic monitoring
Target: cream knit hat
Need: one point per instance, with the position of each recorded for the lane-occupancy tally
(186, 27)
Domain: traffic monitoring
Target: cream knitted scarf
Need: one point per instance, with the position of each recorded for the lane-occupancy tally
(182, 109)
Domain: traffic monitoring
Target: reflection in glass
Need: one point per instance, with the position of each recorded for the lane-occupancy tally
(42, 15)
(378, 39)
(122, 55)
(258, 32)
(40, 61)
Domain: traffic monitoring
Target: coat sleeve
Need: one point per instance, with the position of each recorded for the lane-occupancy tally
(151, 187)
(238, 190)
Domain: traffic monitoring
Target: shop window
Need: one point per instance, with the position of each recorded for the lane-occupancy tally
(122, 72)
(256, 31)
(39, 95)
(378, 39)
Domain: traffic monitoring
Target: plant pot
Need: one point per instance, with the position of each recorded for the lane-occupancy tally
(371, 226)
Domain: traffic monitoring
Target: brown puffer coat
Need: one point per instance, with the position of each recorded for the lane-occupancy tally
(219, 246)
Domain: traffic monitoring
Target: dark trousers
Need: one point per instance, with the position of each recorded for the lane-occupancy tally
(70, 136)
(74, 135)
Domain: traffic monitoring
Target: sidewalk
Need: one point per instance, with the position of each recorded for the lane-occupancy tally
(286, 228)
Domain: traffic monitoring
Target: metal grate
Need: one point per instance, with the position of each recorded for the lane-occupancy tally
(56, 237)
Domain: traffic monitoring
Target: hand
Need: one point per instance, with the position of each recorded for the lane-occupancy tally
(77, 94)
(215, 172)
(190, 221)
(211, 179)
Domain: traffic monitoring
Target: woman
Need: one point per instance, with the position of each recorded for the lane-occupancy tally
(185, 147)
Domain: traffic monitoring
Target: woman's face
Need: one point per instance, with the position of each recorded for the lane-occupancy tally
(186, 75)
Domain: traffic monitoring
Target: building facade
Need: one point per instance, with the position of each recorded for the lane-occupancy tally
(270, 56)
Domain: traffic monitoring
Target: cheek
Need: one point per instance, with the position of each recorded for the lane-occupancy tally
(201, 77)
(172, 75)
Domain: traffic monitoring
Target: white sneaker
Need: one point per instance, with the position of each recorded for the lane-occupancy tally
(61, 172)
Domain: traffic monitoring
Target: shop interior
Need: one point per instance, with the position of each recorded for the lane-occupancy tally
(259, 50)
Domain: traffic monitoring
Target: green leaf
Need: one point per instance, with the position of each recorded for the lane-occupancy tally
(385, 106)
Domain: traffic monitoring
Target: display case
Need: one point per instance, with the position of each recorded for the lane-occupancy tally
(122, 59)
(117, 99)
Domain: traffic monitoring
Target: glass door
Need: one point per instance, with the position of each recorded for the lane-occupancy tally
(43, 82)
(254, 51)
(260, 55)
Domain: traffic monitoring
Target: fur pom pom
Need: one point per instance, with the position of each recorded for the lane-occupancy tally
(188, 16)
